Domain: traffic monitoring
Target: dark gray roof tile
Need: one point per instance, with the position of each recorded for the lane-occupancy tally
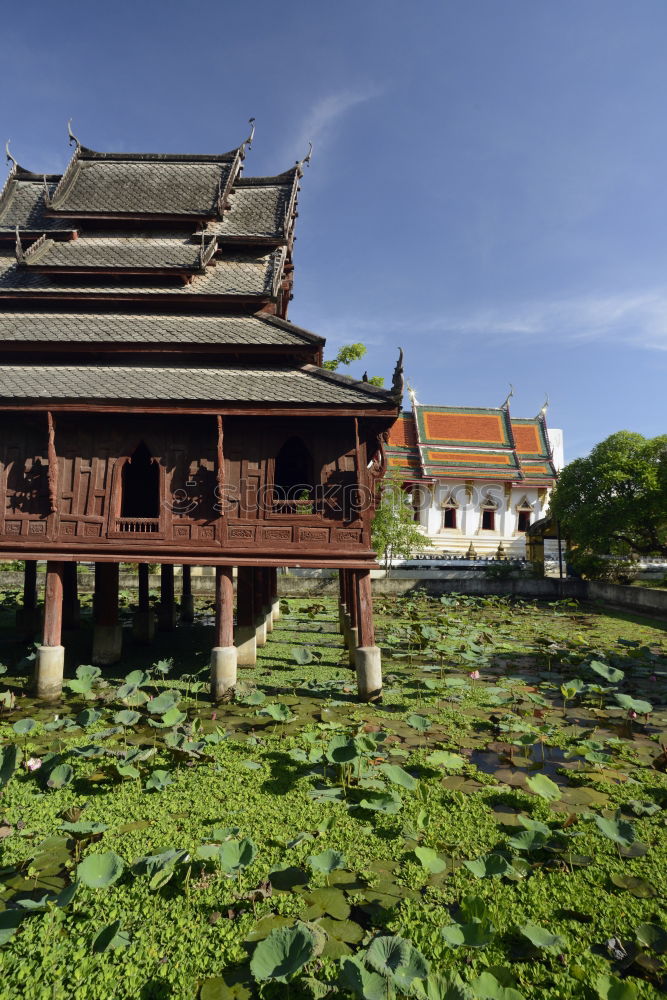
(226, 385)
(23, 205)
(142, 187)
(249, 274)
(99, 251)
(149, 328)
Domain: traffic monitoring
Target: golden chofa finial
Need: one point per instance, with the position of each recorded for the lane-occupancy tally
(545, 407)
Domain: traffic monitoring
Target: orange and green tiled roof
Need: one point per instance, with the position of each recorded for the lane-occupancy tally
(436, 442)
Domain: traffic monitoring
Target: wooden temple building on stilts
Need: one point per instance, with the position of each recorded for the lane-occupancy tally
(156, 406)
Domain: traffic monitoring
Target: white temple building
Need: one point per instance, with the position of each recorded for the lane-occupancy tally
(477, 477)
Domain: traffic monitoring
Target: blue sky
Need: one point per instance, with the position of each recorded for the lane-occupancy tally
(488, 179)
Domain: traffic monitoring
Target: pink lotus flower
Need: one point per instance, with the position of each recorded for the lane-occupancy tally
(474, 675)
(632, 714)
(214, 716)
(653, 678)
(32, 764)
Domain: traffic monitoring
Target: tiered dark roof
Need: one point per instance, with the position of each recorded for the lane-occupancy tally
(135, 255)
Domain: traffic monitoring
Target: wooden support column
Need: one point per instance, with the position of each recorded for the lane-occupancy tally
(143, 621)
(53, 604)
(245, 638)
(28, 616)
(144, 587)
(367, 657)
(224, 653)
(71, 605)
(352, 618)
(187, 598)
(275, 600)
(342, 601)
(167, 614)
(50, 658)
(107, 632)
(259, 605)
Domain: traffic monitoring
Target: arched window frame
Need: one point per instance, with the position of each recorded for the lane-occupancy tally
(117, 525)
(289, 507)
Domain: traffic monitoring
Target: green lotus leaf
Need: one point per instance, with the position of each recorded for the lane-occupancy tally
(385, 802)
(88, 717)
(9, 921)
(612, 988)
(282, 954)
(277, 711)
(127, 717)
(60, 776)
(110, 937)
(490, 866)
(419, 722)
(163, 702)
(540, 937)
(618, 830)
(547, 789)
(445, 758)
(487, 987)
(328, 861)
(99, 871)
(24, 726)
(610, 674)
(634, 704)
(430, 859)
(159, 780)
(398, 776)
(360, 981)
(652, 936)
(82, 829)
(10, 756)
(236, 854)
(137, 678)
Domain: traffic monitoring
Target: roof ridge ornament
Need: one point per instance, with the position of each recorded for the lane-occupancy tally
(413, 396)
(506, 404)
(248, 143)
(545, 406)
(71, 137)
(10, 158)
(398, 381)
(305, 162)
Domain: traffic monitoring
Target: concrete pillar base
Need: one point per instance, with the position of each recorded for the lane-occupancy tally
(275, 610)
(260, 632)
(245, 640)
(223, 671)
(28, 622)
(342, 613)
(269, 621)
(107, 644)
(143, 627)
(167, 617)
(368, 662)
(353, 639)
(187, 608)
(49, 670)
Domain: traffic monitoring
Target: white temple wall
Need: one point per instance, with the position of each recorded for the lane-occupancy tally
(469, 499)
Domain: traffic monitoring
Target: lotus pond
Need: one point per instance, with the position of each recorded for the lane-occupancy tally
(495, 828)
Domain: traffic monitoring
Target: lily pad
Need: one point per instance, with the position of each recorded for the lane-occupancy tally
(99, 871)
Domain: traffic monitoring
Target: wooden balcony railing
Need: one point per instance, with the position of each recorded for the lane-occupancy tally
(138, 525)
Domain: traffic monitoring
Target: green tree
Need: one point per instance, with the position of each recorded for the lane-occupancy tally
(394, 531)
(614, 502)
(346, 355)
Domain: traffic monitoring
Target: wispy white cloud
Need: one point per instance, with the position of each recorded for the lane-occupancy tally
(320, 120)
(637, 319)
